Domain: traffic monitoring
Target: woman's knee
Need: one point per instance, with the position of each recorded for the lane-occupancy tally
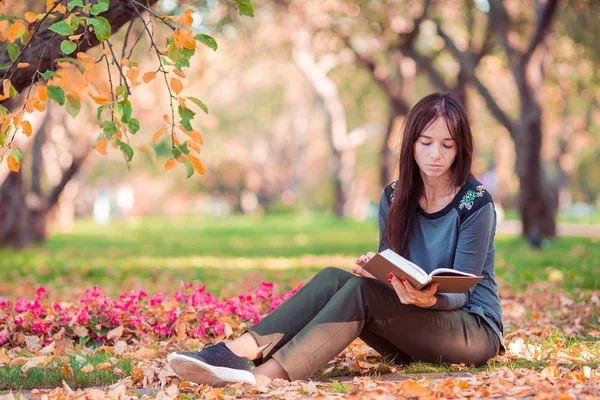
(334, 273)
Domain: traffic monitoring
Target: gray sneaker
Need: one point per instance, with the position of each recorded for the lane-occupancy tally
(215, 365)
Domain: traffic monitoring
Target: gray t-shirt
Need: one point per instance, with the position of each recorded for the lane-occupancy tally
(460, 236)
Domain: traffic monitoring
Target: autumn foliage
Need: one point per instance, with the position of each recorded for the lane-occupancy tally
(74, 76)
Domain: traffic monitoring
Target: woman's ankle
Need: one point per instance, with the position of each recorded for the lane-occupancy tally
(245, 346)
(270, 369)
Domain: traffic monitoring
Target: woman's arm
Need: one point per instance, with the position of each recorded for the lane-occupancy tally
(474, 239)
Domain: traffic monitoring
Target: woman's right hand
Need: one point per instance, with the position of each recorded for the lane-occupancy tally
(361, 261)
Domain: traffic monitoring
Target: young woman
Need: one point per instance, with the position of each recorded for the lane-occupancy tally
(435, 214)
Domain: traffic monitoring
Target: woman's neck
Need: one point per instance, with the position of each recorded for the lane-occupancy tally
(438, 187)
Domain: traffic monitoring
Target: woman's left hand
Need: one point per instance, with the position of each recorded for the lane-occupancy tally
(408, 294)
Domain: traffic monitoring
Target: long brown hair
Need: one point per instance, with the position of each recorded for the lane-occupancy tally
(409, 186)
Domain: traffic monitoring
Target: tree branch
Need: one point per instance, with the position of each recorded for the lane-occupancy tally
(118, 64)
(67, 176)
(164, 72)
(501, 23)
(163, 20)
(468, 66)
(409, 38)
(545, 17)
(126, 39)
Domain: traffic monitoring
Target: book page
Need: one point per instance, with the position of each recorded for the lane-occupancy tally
(449, 271)
(407, 266)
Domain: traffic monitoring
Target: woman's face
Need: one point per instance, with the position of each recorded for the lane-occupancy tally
(435, 150)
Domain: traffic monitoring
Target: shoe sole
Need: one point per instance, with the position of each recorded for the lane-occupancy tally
(197, 371)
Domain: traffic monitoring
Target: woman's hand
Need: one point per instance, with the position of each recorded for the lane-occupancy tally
(361, 261)
(408, 294)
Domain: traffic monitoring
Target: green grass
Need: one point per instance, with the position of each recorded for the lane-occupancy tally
(49, 375)
(338, 387)
(234, 253)
(592, 219)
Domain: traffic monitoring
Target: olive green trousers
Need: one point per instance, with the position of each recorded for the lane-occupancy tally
(328, 313)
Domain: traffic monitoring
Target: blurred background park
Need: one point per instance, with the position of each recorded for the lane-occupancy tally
(306, 101)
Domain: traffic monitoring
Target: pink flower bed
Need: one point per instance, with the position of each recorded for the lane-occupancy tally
(190, 310)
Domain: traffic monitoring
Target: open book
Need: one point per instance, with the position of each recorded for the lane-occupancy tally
(449, 280)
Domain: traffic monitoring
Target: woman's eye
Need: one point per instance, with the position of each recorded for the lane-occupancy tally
(425, 144)
(448, 147)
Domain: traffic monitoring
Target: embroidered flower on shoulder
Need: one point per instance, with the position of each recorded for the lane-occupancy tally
(393, 191)
(470, 196)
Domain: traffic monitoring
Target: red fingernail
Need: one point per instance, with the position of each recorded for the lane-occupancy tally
(390, 275)
(403, 279)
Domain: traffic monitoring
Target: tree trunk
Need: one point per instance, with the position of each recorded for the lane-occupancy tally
(460, 90)
(538, 200)
(24, 214)
(19, 225)
(344, 144)
(385, 154)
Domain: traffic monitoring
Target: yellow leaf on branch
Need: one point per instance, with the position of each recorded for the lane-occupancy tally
(132, 74)
(5, 125)
(42, 93)
(196, 136)
(39, 106)
(26, 126)
(100, 100)
(15, 31)
(13, 164)
(101, 146)
(18, 118)
(82, 56)
(30, 17)
(194, 146)
(158, 134)
(176, 85)
(30, 105)
(6, 86)
(22, 65)
(184, 39)
(179, 73)
(74, 38)
(170, 164)
(196, 163)
(106, 52)
(148, 76)
(166, 118)
(187, 19)
(61, 9)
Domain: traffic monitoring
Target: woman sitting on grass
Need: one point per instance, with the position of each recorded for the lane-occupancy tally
(435, 214)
